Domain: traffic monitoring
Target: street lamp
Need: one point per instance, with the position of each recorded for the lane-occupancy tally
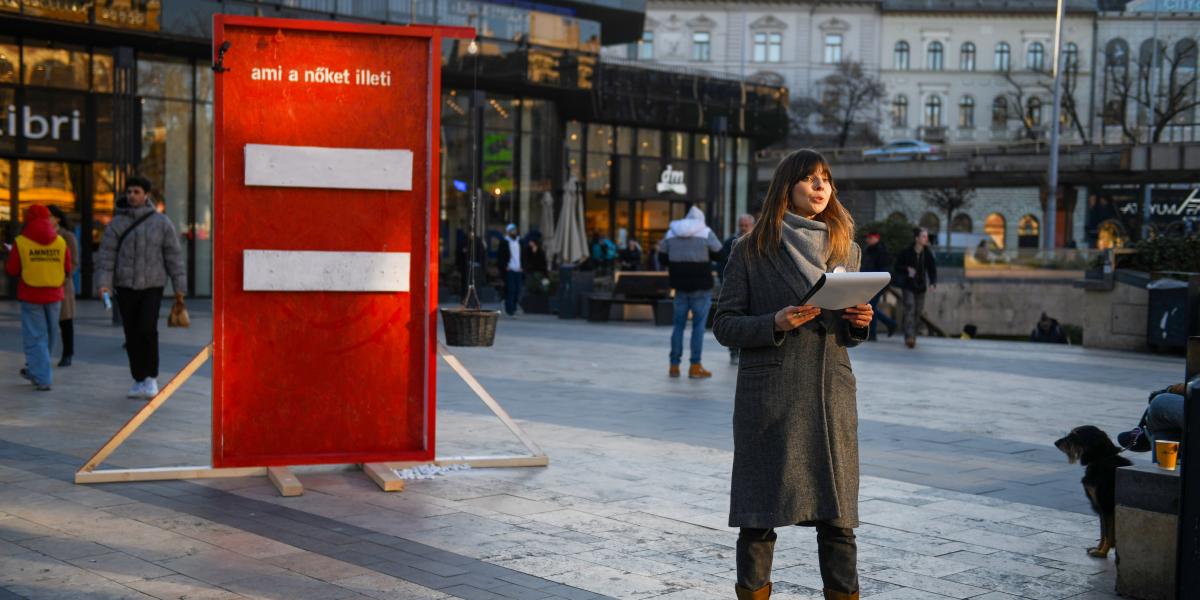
(1052, 177)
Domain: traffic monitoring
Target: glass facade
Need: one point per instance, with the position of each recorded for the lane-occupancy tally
(56, 143)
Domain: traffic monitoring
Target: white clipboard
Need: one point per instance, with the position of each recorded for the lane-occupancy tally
(835, 291)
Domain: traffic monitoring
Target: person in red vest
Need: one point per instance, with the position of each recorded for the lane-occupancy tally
(42, 260)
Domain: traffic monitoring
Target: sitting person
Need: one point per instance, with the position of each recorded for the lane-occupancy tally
(1162, 420)
(1048, 331)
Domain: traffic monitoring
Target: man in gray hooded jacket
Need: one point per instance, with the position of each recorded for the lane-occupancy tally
(687, 249)
(149, 253)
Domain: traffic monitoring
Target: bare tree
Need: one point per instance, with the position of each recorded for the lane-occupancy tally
(1131, 87)
(949, 200)
(850, 97)
(1017, 105)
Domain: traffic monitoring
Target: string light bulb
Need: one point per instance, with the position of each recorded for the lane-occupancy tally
(473, 48)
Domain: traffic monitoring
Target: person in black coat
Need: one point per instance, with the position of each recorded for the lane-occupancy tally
(512, 260)
(916, 273)
(876, 258)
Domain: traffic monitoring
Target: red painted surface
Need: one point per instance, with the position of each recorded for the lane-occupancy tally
(324, 377)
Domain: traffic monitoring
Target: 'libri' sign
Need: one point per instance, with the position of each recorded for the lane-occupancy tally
(325, 241)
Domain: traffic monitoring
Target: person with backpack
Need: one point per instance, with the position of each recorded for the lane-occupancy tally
(41, 259)
(139, 251)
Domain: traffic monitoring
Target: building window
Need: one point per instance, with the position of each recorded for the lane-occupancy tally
(900, 56)
(1028, 229)
(1035, 57)
(1003, 56)
(932, 224)
(933, 56)
(966, 113)
(1033, 112)
(1071, 56)
(833, 48)
(1000, 113)
(701, 46)
(966, 58)
(962, 224)
(996, 228)
(646, 46)
(900, 112)
(1116, 54)
(768, 47)
(933, 111)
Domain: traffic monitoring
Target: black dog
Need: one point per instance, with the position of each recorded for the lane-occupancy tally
(1092, 448)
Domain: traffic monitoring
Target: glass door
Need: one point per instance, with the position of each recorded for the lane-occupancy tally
(49, 183)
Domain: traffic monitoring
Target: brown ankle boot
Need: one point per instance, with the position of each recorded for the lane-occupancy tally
(761, 593)
(696, 371)
(674, 372)
(832, 595)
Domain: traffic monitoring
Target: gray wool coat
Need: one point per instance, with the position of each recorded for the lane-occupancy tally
(795, 420)
(149, 256)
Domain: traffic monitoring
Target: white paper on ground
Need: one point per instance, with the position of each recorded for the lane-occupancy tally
(835, 291)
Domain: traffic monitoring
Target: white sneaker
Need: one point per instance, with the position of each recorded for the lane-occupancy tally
(136, 391)
(149, 387)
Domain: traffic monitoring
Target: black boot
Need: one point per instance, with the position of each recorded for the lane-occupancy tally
(66, 361)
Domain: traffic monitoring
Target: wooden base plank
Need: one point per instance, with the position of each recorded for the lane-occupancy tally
(284, 481)
(163, 473)
(383, 476)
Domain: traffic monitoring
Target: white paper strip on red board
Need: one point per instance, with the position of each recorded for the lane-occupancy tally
(312, 271)
(336, 168)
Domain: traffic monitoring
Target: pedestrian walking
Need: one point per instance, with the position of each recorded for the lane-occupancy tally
(510, 257)
(687, 250)
(745, 224)
(138, 254)
(916, 272)
(41, 260)
(795, 417)
(876, 260)
(66, 317)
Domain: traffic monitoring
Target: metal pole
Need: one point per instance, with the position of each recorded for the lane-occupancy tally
(1048, 239)
(1153, 102)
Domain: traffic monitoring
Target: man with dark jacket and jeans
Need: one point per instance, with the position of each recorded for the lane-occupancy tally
(875, 258)
(916, 273)
(687, 250)
(138, 252)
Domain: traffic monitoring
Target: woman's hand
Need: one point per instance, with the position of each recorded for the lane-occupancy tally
(859, 316)
(791, 317)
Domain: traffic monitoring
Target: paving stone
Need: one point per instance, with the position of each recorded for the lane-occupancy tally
(926, 584)
(121, 567)
(176, 587)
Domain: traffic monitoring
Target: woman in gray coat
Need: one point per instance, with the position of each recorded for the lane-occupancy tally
(795, 421)
(66, 318)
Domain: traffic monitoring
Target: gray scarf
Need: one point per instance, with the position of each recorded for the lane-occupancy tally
(807, 242)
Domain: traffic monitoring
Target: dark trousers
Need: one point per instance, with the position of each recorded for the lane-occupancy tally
(512, 290)
(879, 316)
(836, 550)
(68, 336)
(139, 316)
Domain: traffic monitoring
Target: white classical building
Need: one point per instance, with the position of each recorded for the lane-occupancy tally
(979, 71)
(1124, 49)
(787, 43)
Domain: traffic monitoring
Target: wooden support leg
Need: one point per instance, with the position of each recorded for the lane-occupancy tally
(284, 481)
(384, 477)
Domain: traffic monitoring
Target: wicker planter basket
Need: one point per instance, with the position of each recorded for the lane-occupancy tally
(469, 326)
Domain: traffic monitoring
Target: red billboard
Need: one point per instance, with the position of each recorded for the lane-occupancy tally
(325, 241)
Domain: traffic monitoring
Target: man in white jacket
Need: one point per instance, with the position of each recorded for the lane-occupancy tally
(687, 251)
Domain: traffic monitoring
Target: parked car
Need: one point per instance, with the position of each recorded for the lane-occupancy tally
(903, 150)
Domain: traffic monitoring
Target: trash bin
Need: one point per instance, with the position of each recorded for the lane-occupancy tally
(1168, 314)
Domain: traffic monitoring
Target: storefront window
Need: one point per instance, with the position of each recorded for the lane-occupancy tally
(8, 143)
(162, 77)
(102, 71)
(58, 67)
(6, 213)
(539, 162)
(201, 228)
(10, 62)
(103, 200)
(46, 183)
(166, 125)
(702, 147)
(649, 142)
(677, 143)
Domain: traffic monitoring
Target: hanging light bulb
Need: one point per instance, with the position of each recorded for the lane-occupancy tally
(473, 48)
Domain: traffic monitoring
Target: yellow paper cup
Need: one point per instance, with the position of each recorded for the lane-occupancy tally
(1167, 452)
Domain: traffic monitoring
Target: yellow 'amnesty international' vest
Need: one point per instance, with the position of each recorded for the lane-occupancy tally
(43, 265)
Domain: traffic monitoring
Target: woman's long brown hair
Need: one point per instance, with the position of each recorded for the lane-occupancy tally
(765, 237)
